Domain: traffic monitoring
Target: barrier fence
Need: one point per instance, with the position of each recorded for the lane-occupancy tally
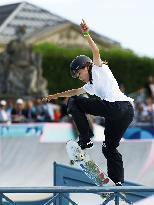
(60, 191)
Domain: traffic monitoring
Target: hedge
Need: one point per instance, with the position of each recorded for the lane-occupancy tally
(128, 68)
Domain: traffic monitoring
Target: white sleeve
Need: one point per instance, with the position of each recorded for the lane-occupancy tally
(88, 88)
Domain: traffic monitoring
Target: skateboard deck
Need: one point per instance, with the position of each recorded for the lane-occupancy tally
(82, 160)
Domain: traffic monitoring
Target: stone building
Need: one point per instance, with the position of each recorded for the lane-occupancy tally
(23, 25)
(43, 26)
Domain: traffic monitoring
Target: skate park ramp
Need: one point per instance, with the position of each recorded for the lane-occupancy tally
(25, 161)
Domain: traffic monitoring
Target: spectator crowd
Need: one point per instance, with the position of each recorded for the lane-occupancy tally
(22, 111)
(144, 104)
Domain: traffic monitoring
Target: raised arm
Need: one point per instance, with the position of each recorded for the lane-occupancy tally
(95, 50)
(67, 93)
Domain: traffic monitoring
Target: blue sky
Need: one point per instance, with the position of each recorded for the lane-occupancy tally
(131, 22)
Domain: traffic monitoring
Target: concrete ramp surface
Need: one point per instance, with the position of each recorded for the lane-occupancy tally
(25, 161)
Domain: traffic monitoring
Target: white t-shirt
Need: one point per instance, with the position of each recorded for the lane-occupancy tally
(3, 116)
(105, 85)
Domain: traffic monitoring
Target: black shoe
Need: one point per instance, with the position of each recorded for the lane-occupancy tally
(118, 184)
(84, 145)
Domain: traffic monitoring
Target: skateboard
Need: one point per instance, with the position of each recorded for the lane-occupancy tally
(81, 159)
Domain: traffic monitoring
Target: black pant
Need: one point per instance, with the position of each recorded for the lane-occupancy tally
(118, 115)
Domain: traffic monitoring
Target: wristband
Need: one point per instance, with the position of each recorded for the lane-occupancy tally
(85, 34)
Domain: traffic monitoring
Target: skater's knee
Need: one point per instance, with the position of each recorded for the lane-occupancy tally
(110, 152)
(71, 105)
(105, 150)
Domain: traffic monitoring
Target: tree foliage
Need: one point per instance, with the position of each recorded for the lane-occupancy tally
(127, 67)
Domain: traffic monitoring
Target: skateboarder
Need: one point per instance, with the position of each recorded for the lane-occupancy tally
(110, 103)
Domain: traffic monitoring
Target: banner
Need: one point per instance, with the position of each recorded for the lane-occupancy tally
(139, 133)
(48, 132)
(62, 132)
(21, 130)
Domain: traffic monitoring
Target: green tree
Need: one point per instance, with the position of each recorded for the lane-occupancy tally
(127, 67)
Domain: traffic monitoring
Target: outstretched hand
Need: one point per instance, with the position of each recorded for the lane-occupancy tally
(48, 98)
(84, 26)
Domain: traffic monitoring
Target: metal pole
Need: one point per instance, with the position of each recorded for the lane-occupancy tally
(1, 199)
(116, 198)
(60, 199)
